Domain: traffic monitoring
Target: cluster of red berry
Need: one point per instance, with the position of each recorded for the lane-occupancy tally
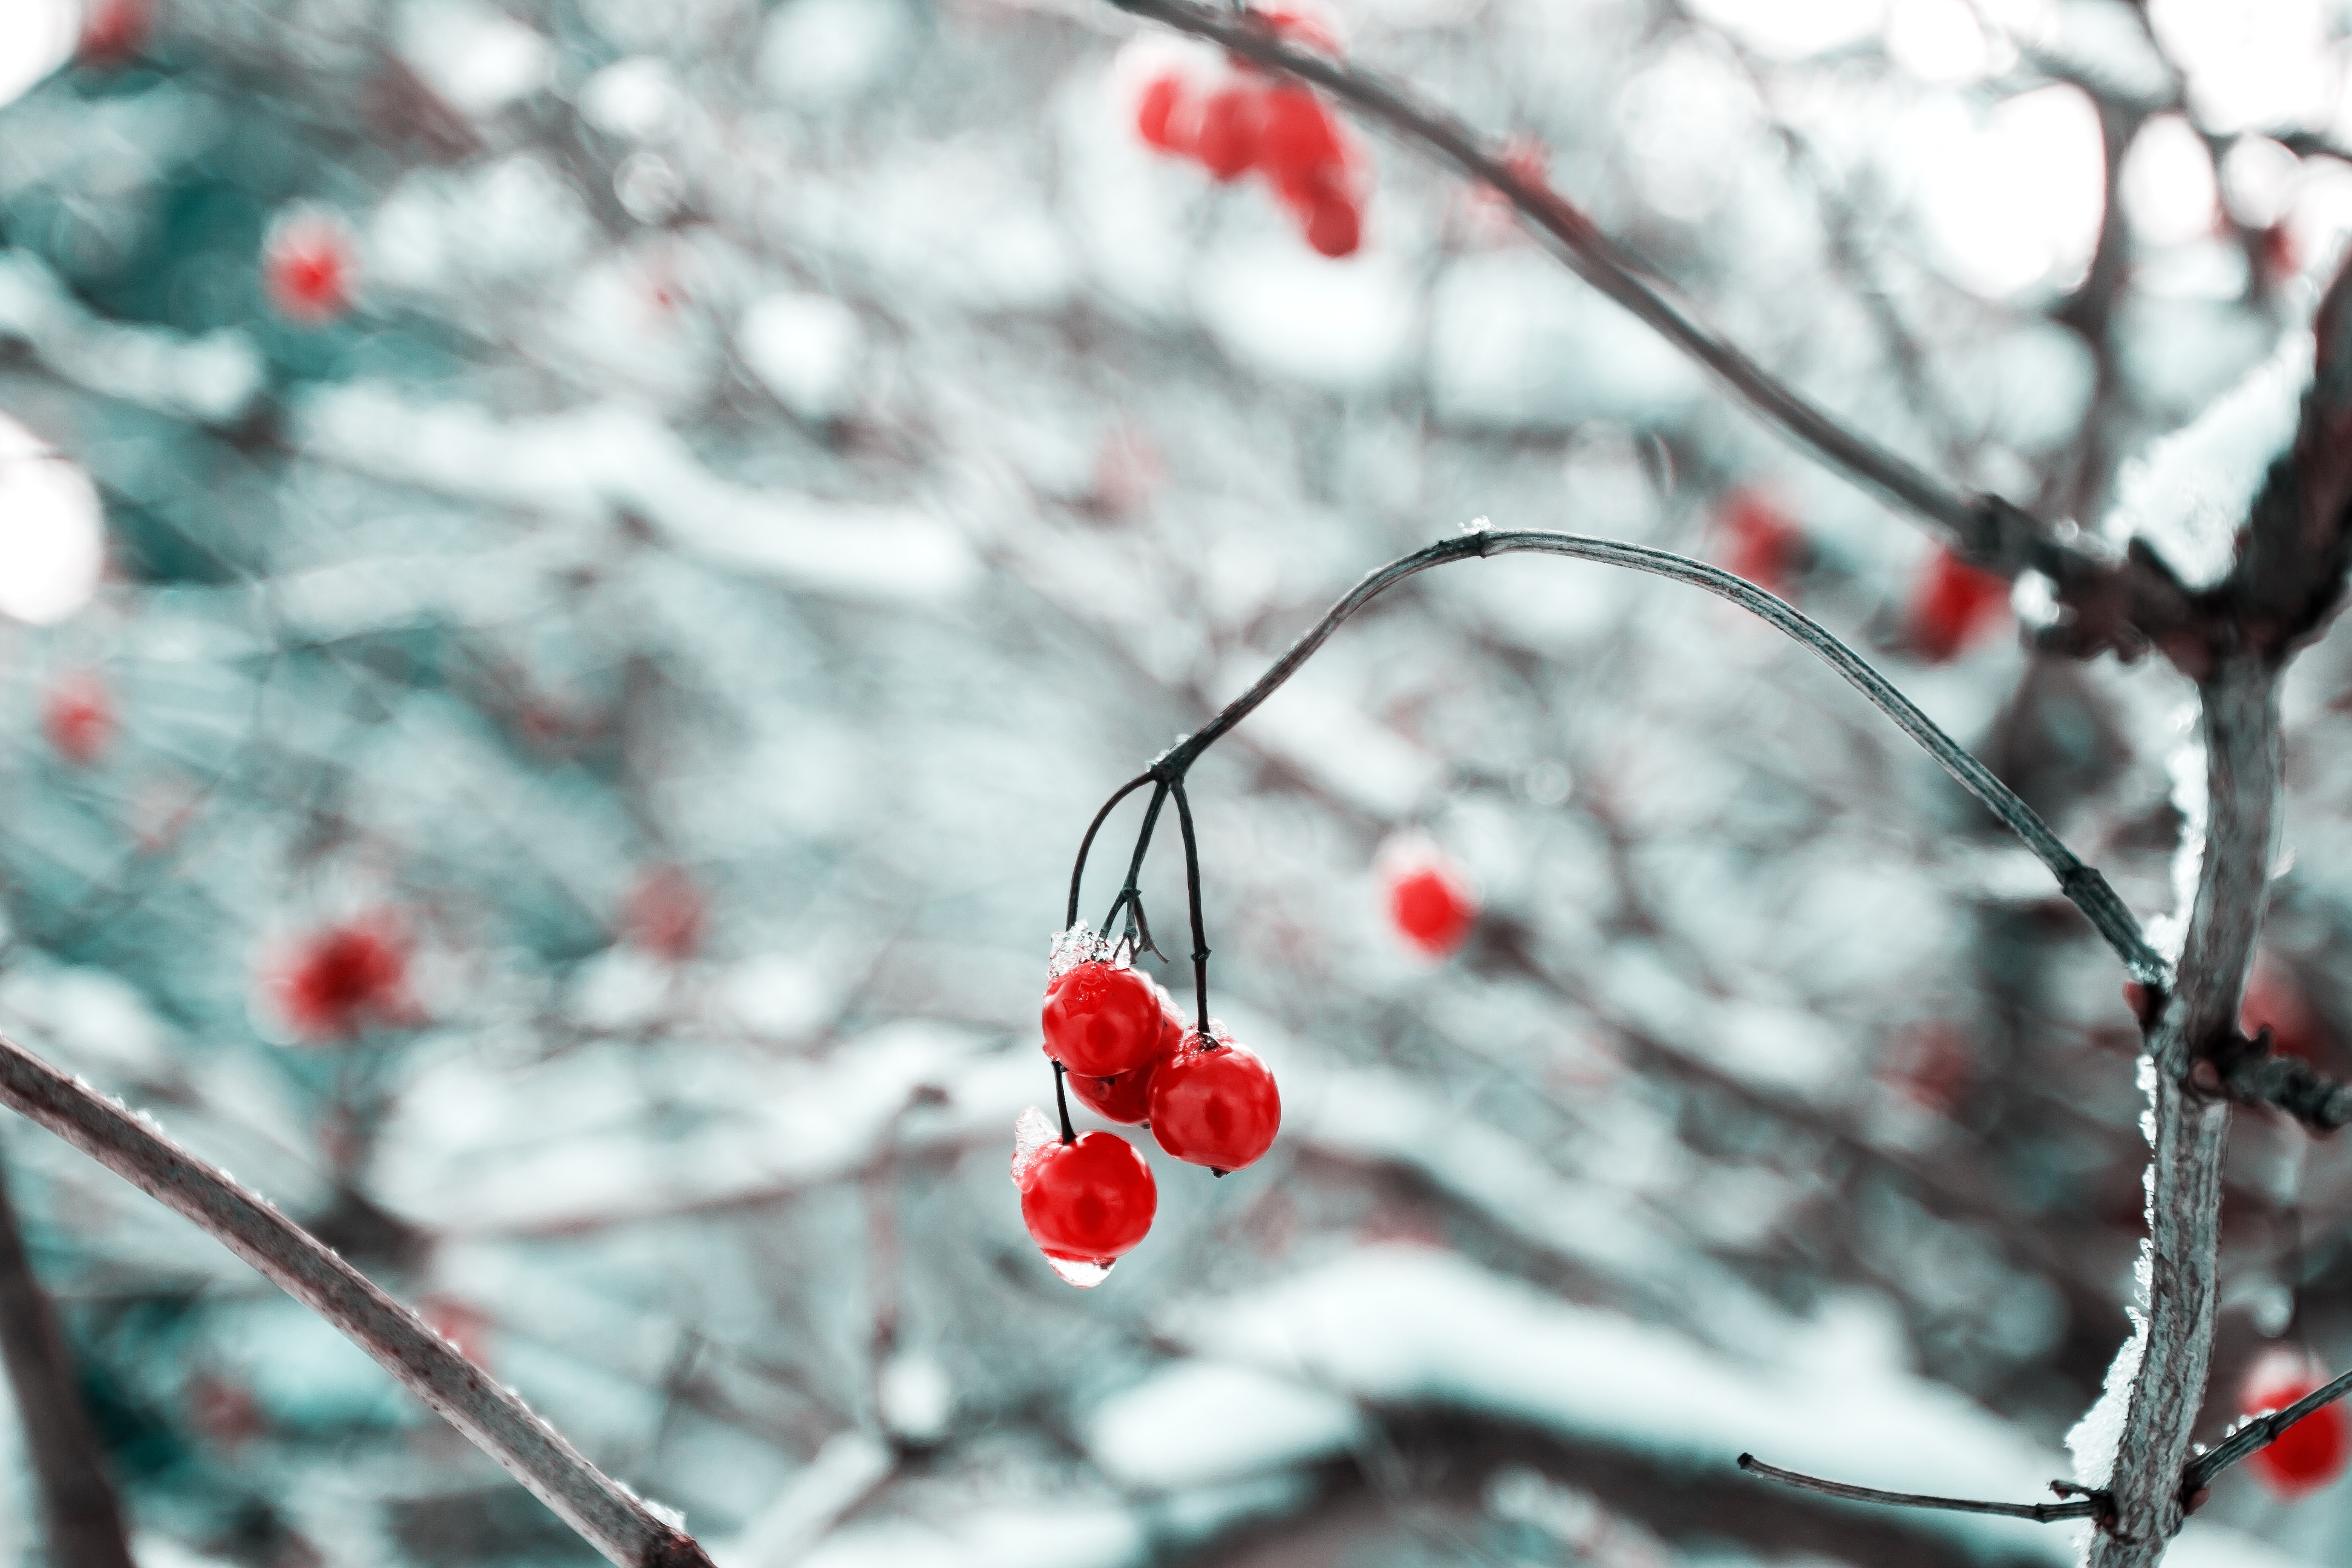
(1232, 118)
(1122, 1046)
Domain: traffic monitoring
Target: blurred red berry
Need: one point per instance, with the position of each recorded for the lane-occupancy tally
(1335, 228)
(1156, 118)
(1101, 1019)
(78, 716)
(466, 1327)
(1213, 1103)
(1954, 604)
(2273, 1000)
(1430, 901)
(1763, 543)
(666, 913)
(337, 982)
(2309, 1454)
(1305, 25)
(308, 268)
(1226, 139)
(1086, 1203)
(1295, 136)
(114, 31)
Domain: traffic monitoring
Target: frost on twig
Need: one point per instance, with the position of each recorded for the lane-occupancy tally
(606, 1514)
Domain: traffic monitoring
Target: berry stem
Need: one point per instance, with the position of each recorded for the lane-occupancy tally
(1130, 897)
(1062, 1103)
(1079, 870)
(1192, 891)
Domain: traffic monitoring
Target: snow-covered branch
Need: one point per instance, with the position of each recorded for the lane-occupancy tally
(607, 1515)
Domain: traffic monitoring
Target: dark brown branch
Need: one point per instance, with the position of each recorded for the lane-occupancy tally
(78, 1506)
(2090, 1505)
(2291, 1085)
(606, 1515)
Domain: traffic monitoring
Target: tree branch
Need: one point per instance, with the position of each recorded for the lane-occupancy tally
(2191, 1131)
(607, 1515)
(2258, 1434)
(78, 1506)
(2081, 884)
(2090, 1505)
(1987, 529)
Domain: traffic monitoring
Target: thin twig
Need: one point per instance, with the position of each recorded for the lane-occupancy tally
(606, 1514)
(2081, 884)
(1193, 892)
(2091, 1505)
(2258, 1433)
(1078, 871)
(2291, 1085)
(1987, 529)
(78, 1508)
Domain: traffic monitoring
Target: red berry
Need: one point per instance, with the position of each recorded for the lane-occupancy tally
(1335, 228)
(1086, 1203)
(308, 267)
(1764, 545)
(466, 1327)
(1430, 901)
(113, 31)
(1954, 601)
(1305, 25)
(1295, 137)
(1213, 1103)
(1226, 139)
(78, 718)
(666, 913)
(2276, 1002)
(1156, 118)
(338, 981)
(2309, 1454)
(1101, 1019)
(1128, 1097)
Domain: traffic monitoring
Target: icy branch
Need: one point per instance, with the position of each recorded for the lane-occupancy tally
(2189, 1131)
(2090, 1505)
(606, 1514)
(2081, 884)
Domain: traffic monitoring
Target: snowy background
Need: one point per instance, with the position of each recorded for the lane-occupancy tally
(782, 466)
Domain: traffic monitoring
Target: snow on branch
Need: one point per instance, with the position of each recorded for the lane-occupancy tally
(607, 1515)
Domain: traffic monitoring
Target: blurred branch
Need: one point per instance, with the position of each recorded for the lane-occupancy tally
(607, 1515)
(78, 1506)
(2258, 1433)
(2289, 1084)
(2090, 1505)
(1987, 529)
(2081, 884)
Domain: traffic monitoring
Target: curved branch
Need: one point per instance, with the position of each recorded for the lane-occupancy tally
(1988, 529)
(607, 1515)
(2081, 884)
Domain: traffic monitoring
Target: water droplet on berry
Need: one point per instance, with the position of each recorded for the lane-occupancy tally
(1085, 1276)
